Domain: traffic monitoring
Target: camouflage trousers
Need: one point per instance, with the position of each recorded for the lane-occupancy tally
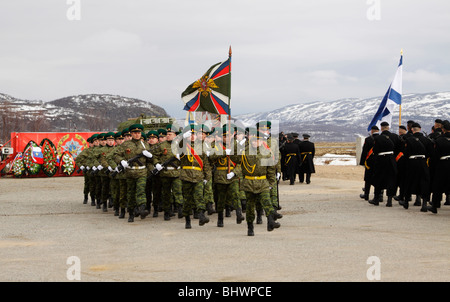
(136, 192)
(193, 197)
(123, 203)
(156, 191)
(86, 188)
(208, 194)
(105, 188)
(228, 194)
(274, 195)
(262, 199)
(114, 186)
(98, 187)
(171, 192)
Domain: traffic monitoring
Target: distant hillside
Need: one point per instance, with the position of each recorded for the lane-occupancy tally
(91, 112)
(343, 120)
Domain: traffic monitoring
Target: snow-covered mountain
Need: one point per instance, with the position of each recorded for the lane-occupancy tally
(90, 112)
(345, 119)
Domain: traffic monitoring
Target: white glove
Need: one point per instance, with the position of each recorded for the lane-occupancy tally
(278, 175)
(94, 168)
(158, 167)
(187, 134)
(204, 181)
(228, 151)
(82, 167)
(208, 153)
(147, 154)
(177, 156)
(230, 175)
(87, 167)
(100, 167)
(124, 163)
(116, 169)
(242, 142)
(110, 169)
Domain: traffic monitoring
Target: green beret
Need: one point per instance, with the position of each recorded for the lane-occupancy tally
(265, 125)
(94, 137)
(162, 132)
(102, 136)
(169, 128)
(109, 135)
(152, 133)
(118, 135)
(126, 131)
(136, 128)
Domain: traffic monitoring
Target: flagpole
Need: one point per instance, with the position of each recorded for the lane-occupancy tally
(400, 108)
(229, 108)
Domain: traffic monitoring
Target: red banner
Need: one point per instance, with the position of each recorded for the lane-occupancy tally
(70, 142)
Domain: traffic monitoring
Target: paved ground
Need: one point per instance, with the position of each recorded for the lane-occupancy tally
(327, 234)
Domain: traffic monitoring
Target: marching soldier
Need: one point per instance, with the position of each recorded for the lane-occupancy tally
(386, 148)
(94, 163)
(291, 158)
(366, 160)
(103, 167)
(195, 172)
(115, 181)
(135, 172)
(152, 180)
(441, 157)
(225, 175)
(208, 145)
(88, 164)
(81, 162)
(171, 191)
(256, 182)
(307, 152)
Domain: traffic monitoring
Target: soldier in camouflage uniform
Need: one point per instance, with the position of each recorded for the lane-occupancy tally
(171, 188)
(226, 161)
(265, 130)
(150, 188)
(80, 162)
(256, 182)
(95, 171)
(208, 145)
(136, 172)
(114, 181)
(87, 162)
(108, 146)
(195, 172)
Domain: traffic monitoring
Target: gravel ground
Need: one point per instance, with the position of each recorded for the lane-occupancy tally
(327, 234)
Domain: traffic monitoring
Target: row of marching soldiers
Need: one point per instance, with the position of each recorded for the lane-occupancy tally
(411, 163)
(197, 171)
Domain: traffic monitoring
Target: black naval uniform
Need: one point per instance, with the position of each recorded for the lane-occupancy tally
(441, 157)
(291, 159)
(367, 160)
(307, 152)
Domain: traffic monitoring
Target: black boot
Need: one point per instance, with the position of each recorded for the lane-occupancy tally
(188, 222)
(432, 209)
(376, 200)
(250, 229)
(418, 201)
(227, 211)
(259, 216)
(155, 211)
(180, 211)
(98, 204)
(209, 208)
(244, 205)
(424, 207)
(110, 202)
(130, 215)
(92, 201)
(271, 223)
(239, 216)
(447, 200)
(105, 208)
(202, 218)
(116, 211)
(404, 203)
(276, 215)
(85, 199)
(122, 213)
(220, 219)
(166, 215)
(364, 196)
(389, 202)
(143, 211)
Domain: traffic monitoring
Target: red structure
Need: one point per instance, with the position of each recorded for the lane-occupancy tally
(71, 142)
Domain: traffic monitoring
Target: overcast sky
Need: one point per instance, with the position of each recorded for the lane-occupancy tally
(284, 52)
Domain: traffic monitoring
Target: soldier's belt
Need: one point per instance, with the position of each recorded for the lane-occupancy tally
(224, 168)
(137, 168)
(385, 153)
(416, 156)
(291, 154)
(445, 157)
(306, 153)
(255, 177)
(192, 168)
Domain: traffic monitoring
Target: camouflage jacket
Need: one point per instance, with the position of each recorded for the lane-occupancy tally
(221, 162)
(163, 152)
(194, 164)
(257, 177)
(129, 150)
